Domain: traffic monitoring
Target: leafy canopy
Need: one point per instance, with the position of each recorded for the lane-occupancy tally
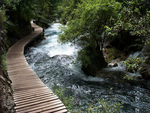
(65, 9)
(134, 17)
(89, 21)
(87, 26)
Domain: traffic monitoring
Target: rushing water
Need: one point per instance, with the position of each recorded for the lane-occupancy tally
(53, 64)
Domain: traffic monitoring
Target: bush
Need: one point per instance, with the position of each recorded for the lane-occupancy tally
(68, 102)
(133, 65)
(127, 77)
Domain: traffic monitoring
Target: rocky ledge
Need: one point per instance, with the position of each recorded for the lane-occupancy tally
(6, 98)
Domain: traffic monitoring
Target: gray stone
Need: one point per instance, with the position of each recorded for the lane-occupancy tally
(112, 64)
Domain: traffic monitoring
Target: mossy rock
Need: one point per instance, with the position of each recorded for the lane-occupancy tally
(97, 62)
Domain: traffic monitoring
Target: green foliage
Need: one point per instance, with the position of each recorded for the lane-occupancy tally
(65, 9)
(133, 65)
(84, 57)
(106, 107)
(7, 44)
(68, 102)
(110, 107)
(127, 77)
(28, 9)
(24, 10)
(86, 26)
(3, 57)
(88, 23)
(131, 19)
(19, 13)
(42, 10)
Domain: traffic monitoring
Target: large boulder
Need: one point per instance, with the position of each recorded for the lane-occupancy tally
(97, 61)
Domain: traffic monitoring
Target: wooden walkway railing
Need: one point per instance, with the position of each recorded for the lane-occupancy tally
(29, 93)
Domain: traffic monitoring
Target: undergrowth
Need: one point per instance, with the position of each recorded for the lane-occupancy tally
(105, 106)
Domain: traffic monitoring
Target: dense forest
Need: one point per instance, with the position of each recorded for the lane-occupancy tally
(107, 31)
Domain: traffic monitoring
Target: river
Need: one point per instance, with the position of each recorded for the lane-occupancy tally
(54, 65)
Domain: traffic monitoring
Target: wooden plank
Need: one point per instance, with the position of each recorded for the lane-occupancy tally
(35, 90)
(28, 80)
(35, 95)
(39, 106)
(10, 70)
(25, 88)
(23, 75)
(32, 104)
(26, 83)
(34, 100)
(30, 86)
(23, 78)
(51, 109)
(17, 65)
(22, 72)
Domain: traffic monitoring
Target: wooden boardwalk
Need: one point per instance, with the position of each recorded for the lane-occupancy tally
(29, 93)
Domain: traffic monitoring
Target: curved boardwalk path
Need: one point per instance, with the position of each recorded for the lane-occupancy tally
(30, 94)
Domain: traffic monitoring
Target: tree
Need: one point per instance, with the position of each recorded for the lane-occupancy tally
(134, 20)
(87, 30)
(65, 9)
(21, 12)
(42, 10)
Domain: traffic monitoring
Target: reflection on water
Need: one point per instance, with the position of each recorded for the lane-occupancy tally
(53, 64)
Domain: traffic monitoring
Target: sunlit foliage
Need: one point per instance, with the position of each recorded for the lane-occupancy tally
(86, 25)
